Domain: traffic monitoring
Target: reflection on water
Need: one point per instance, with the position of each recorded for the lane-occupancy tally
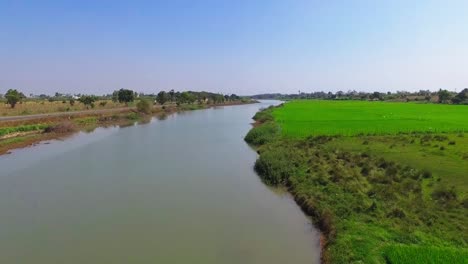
(180, 190)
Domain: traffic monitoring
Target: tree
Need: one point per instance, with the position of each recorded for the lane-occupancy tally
(13, 97)
(376, 95)
(125, 96)
(182, 98)
(172, 95)
(115, 96)
(444, 96)
(234, 97)
(87, 100)
(162, 97)
(462, 97)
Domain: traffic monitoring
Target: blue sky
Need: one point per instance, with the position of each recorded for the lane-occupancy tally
(242, 47)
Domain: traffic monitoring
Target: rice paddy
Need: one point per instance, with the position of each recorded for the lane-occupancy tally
(313, 117)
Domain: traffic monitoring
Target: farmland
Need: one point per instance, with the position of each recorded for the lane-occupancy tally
(305, 118)
(385, 182)
(31, 107)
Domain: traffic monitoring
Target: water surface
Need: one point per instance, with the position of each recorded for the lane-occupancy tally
(180, 190)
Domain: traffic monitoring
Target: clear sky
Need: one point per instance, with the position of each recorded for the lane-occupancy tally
(238, 46)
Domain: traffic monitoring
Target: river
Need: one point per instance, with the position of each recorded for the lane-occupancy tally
(179, 190)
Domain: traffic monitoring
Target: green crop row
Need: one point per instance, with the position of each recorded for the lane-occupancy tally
(24, 128)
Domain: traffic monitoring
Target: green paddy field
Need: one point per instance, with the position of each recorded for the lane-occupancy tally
(385, 182)
(307, 117)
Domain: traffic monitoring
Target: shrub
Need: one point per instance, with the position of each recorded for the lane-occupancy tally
(262, 134)
(132, 116)
(426, 174)
(275, 166)
(263, 116)
(144, 106)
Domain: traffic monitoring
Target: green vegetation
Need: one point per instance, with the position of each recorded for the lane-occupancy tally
(162, 97)
(388, 198)
(144, 106)
(304, 118)
(87, 100)
(412, 254)
(133, 116)
(262, 134)
(16, 103)
(423, 96)
(90, 120)
(125, 96)
(25, 128)
(13, 97)
(445, 156)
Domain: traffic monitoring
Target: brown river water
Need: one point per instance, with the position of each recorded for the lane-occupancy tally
(179, 190)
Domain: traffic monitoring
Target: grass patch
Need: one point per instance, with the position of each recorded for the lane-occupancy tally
(190, 107)
(24, 128)
(133, 116)
(8, 141)
(403, 254)
(421, 151)
(84, 121)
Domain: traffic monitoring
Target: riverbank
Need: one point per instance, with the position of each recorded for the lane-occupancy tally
(26, 131)
(371, 206)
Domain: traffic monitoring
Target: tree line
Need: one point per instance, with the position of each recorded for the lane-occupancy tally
(442, 96)
(125, 96)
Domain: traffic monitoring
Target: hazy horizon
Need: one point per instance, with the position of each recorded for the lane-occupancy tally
(241, 47)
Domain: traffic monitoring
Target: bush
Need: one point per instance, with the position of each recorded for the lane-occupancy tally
(263, 116)
(262, 134)
(275, 166)
(144, 106)
(132, 116)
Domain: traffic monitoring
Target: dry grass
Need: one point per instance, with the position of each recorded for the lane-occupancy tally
(44, 107)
